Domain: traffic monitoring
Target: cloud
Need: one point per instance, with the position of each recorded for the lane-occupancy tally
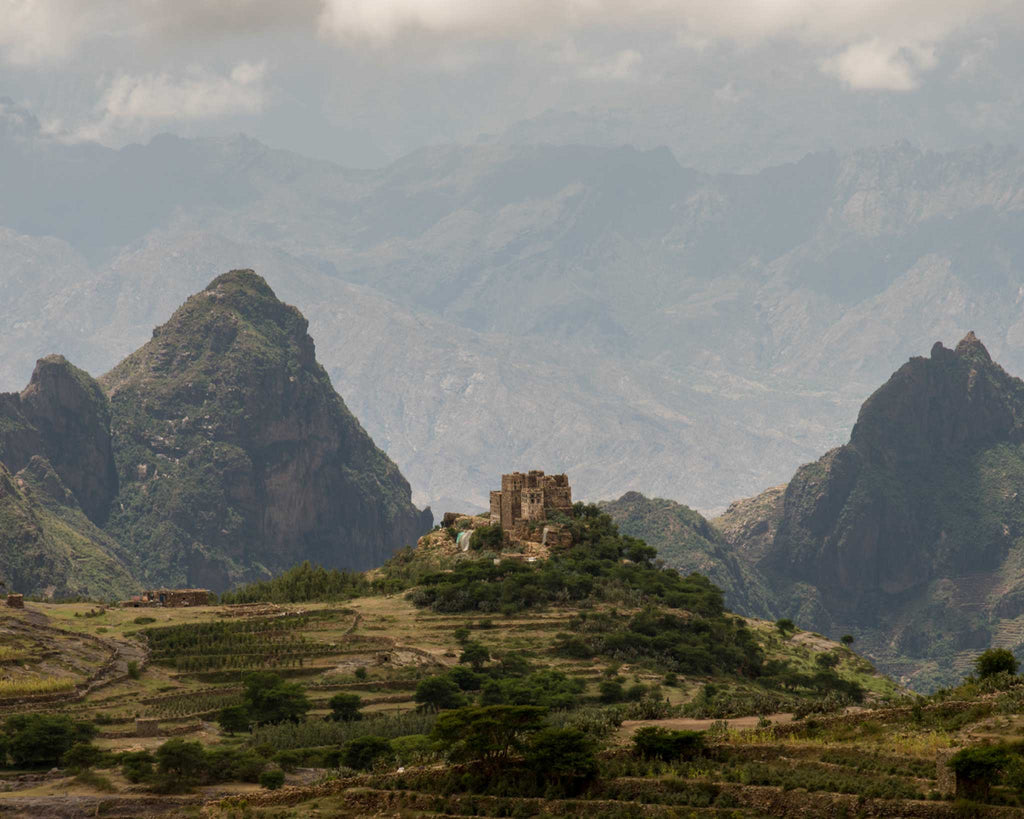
(877, 65)
(134, 101)
(865, 43)
(33, 32)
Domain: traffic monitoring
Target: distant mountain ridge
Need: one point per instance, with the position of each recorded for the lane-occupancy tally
(218, 452)
(604, 309)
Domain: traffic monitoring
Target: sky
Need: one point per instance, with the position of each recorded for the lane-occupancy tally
(729, 84)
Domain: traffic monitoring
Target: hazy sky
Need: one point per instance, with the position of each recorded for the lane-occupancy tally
(363, 81)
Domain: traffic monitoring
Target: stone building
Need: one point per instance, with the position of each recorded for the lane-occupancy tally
(171, 597)
(529, 497)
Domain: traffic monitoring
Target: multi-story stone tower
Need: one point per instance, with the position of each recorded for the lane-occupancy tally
(529, 496)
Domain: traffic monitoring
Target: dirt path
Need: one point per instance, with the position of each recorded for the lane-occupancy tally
(630, 726)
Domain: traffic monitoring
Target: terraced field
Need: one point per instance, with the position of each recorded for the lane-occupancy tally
(884, 758)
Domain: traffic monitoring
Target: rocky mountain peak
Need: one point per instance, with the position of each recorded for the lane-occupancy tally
(64, 416)
(971, 347)
(236, 452)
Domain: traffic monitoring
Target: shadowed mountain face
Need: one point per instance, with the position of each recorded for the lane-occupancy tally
(911, 536)
(217, 452)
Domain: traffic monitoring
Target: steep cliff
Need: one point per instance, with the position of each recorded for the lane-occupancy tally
(63, 416)
(237, 458)
(910, 536)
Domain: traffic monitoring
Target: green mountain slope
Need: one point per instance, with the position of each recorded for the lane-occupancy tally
(237, 458)
(47, 544)
(687, 542)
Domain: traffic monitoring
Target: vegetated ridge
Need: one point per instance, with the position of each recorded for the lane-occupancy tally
(218, 452)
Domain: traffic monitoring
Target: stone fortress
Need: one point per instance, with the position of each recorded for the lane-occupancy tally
(523, 507)
(529, 497)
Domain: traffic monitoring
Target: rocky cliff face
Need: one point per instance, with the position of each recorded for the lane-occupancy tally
(236, 456)
(912, 534)
(63, 416)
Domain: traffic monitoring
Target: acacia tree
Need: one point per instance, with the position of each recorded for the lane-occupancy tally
(996, 661)
(437, 693)
(488, 734)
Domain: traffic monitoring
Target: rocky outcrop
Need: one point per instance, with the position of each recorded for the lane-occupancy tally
(236, 456)
(63, 416)
(910, 536)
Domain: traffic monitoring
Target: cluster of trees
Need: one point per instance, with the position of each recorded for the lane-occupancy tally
(302, 584)
(180, 765)
(41, 740)
(268, 700)
(602, 565)
(703, 643)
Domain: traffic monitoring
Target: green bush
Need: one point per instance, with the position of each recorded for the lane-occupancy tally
(137, 766)
(361, 753)
(345, 707)
(659, 743)
(272, 780)
(487, 538)
(437, 693)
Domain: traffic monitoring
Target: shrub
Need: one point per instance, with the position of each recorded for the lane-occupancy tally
(436, 693)
(475, 655)
(360, 672)
(272, 780)
(412, 749)
(785, 626)
(144, 620)
(81, 755)
(487, 538)
(137, 766)
(564, 755)
(978, 768)
(465, 679)
(362, 752)
(345, 707)
(659, 743)
(610, 691)
(133, 670)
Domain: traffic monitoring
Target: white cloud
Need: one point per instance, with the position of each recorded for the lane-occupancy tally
(866, 43)
(133, 101)
(39, 31)
(878, 65)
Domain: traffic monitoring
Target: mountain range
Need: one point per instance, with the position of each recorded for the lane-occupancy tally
(604, 311)
(218, 452)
